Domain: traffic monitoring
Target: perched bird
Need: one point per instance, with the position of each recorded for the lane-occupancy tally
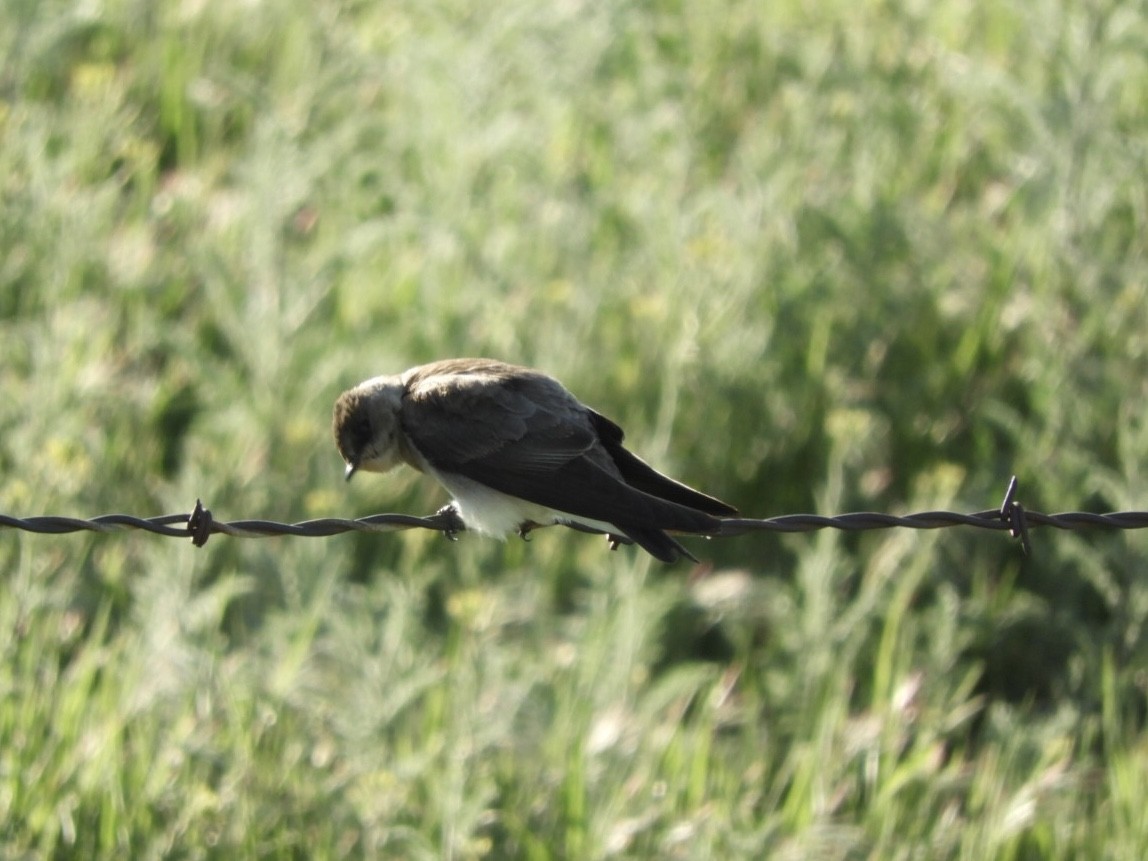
(517, 451)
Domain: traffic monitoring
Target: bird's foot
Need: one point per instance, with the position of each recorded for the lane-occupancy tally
(451, 521)
(525, 528)
(616, 541)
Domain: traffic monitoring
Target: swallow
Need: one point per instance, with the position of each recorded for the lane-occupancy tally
(517, 451)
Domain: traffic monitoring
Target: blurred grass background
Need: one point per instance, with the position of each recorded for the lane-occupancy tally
(813, 256)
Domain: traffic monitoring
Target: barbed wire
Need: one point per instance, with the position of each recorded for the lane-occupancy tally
(200, 525)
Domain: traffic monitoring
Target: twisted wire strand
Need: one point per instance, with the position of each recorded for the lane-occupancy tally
(991, 519)
(199, 525)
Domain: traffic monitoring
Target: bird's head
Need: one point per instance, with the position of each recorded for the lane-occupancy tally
(366, 425)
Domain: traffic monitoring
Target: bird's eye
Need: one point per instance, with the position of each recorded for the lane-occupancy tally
(355, 435)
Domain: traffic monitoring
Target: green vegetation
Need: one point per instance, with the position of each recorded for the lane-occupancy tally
(813, 256)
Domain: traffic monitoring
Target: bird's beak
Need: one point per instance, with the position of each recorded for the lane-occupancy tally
(351, 467)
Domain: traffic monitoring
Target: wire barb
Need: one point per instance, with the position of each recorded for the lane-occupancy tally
(199, 524)
(1012, 512)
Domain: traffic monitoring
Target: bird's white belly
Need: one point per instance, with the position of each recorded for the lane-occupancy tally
(492, 512)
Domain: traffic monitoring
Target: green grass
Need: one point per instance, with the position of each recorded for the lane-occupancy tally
(820, 257)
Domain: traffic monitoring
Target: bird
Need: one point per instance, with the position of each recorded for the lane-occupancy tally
(517, 451)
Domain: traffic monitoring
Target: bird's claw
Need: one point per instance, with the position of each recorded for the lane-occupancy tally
(525, 528)
(451, 522)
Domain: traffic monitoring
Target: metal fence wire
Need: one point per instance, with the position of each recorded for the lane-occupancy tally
(200, 525)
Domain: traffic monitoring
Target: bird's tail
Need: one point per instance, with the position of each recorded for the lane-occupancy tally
(657, 543)
(661, 545)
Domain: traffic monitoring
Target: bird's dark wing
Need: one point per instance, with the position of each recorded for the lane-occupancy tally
(526, 420)
(637, 473)
(524, 435)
